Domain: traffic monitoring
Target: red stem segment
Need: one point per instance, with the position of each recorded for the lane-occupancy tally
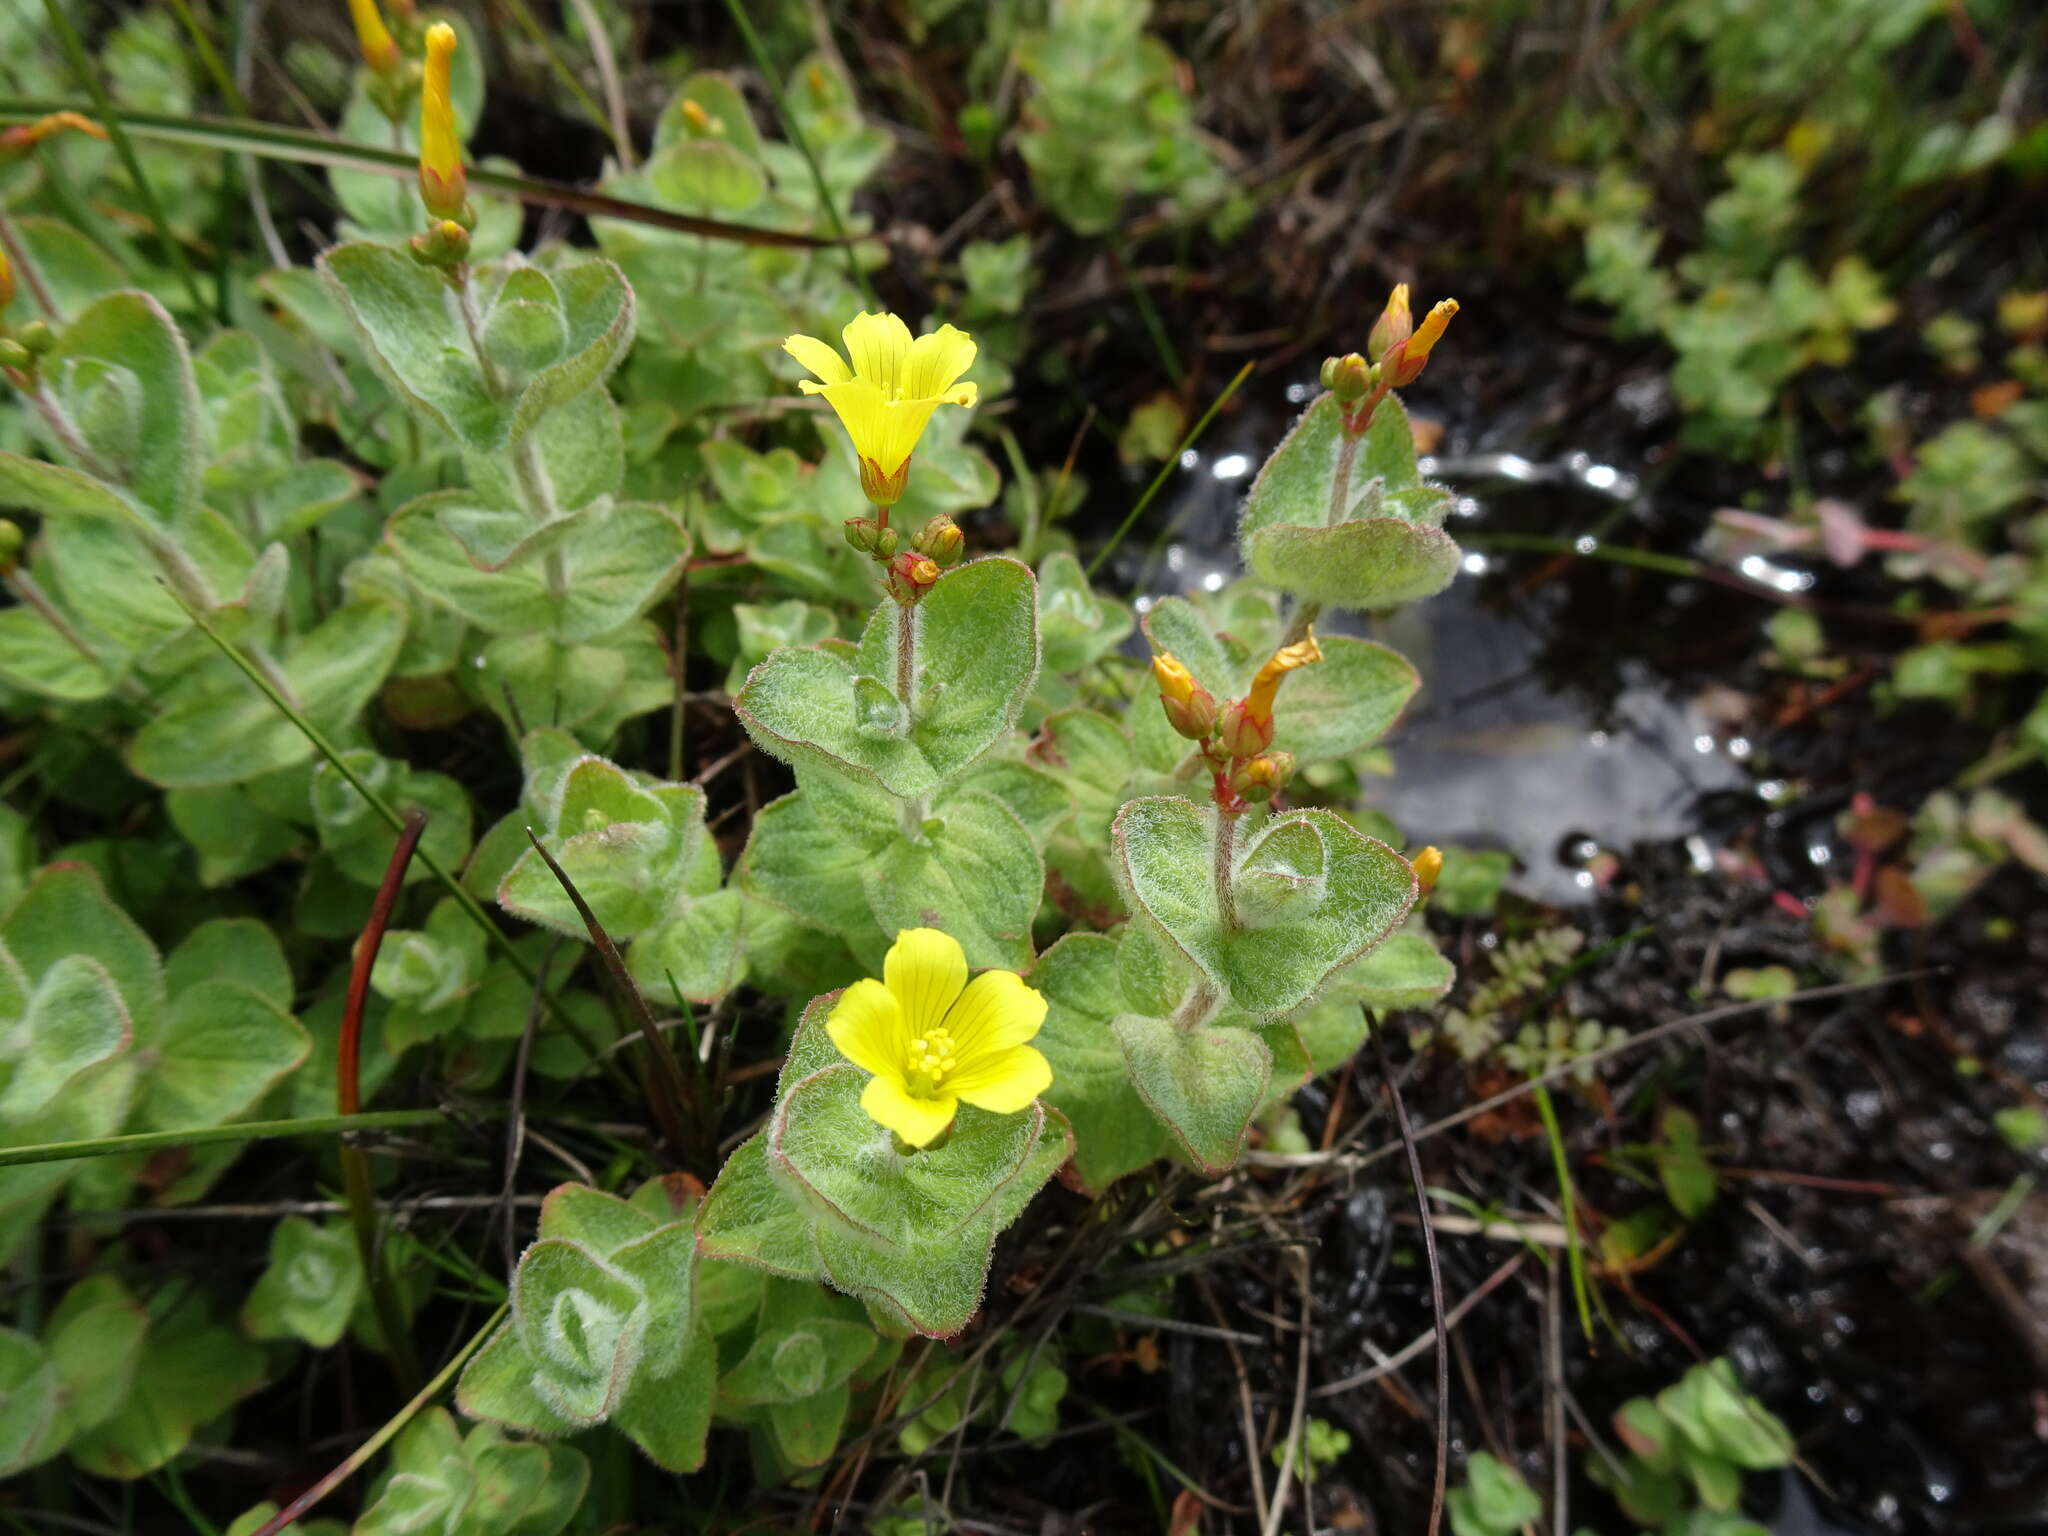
(355, 1163)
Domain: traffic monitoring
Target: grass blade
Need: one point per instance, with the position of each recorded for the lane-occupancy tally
(217, 1135)
(238, 136)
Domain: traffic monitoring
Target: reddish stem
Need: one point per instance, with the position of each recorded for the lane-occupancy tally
(347, 1075)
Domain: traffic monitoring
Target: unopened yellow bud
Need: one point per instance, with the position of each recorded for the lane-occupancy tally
(379, 51)
(1190, 708)
(698, 119)
(1349, 377)
(909, 576)
(1394, 325)
(1428, 864)
(1176, 682)
(444, 185)
(1264, 776)
(6, 283)
(942, 539)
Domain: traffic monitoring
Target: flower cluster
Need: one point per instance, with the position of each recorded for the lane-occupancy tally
(1400, 351)
(1235, 739)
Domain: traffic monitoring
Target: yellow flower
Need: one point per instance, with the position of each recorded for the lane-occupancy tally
(443, 182)
(890, 392)
(379, 51)
(932, 1038)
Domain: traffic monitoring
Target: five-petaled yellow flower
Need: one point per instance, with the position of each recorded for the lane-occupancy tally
(932, 1038)
(888, 395)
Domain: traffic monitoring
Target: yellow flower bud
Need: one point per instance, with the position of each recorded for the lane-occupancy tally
(444, 185)
(6, 283)
(698, 119)
(942, 539)
(1176, 682)
(1349, 377)
(1428, 865)
(1190, 708)
(1395, 324)
(379, 51)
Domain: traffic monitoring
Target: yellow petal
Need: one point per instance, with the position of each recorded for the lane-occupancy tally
(819, 358)
(935, 361)
(996, 1013)
(878, 345)
(916, 1120)
(867, 1026)
(903, 423)
(861, 409)
(1003, 1084)
(926, 970)
(965, 394)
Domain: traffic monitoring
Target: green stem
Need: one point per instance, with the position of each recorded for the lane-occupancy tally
(31, 595)
(69, 438)
(370, 1447)
(218, 1135)
(906, 658)
(1568, 1197)
(1166, 469)
(1223, 867)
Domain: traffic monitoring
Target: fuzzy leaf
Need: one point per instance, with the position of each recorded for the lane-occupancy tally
(1318, 920)
(823, 1140)
(222, 1049)
(192, 1371)
(977, 650)
(32, 1428)
(35, 658)
(238, 949)
(669, 1417)
(697, 952)
(1115, 1132)
(974, 874)
(311, 1286)
(96, 1339)
(67, 912)
(582, 1324)
(610, 563)
(1204, 1084)
(131, 332)
(218, 728)
(74, 1020)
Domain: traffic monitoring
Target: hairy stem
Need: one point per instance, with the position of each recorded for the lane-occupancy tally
(69, 438)
(1222, 867)
(906, 658)
(472, 322)
(30, 594)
